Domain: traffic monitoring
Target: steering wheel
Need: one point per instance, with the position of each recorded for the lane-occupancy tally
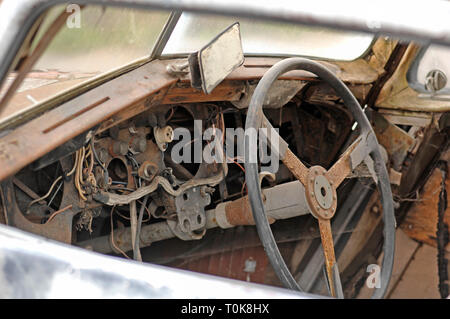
(320, 184)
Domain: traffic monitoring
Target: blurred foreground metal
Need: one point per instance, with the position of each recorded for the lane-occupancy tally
(34, 267)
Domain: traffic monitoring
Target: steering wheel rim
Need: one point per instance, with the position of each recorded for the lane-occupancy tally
(256, 119)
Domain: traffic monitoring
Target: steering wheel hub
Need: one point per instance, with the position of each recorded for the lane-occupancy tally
(320, 194)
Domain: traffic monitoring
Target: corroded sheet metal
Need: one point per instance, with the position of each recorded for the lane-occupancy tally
(422, 219)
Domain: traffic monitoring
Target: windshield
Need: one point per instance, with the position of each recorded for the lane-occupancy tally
(99, 40)
(107, 38)
(193, 31)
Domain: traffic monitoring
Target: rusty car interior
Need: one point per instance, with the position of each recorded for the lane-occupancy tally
(86, 155)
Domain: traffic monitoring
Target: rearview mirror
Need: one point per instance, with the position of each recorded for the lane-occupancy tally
(214, 62)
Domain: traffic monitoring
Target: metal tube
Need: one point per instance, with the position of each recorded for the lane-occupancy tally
(282, 202)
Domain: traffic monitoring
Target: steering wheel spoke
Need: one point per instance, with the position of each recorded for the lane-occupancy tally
(358, 152)
(284, 153)
(326, 237)
(296, 167)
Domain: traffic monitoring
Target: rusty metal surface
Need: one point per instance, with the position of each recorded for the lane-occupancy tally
(421, 222)
(328, 251)
(343, 166)
(225, 215)
(279, 94)
(297, 168)
(349, 212)
(315, 197)
(74, 116)
(389, 57)
(239, 212)
(308, 177)
(59, 228)
(33, 140)
(59, 224)
(395, 140)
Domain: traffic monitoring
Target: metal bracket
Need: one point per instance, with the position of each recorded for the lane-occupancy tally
(191, 214)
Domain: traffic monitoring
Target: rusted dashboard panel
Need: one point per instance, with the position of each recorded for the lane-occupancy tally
(131, 94)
